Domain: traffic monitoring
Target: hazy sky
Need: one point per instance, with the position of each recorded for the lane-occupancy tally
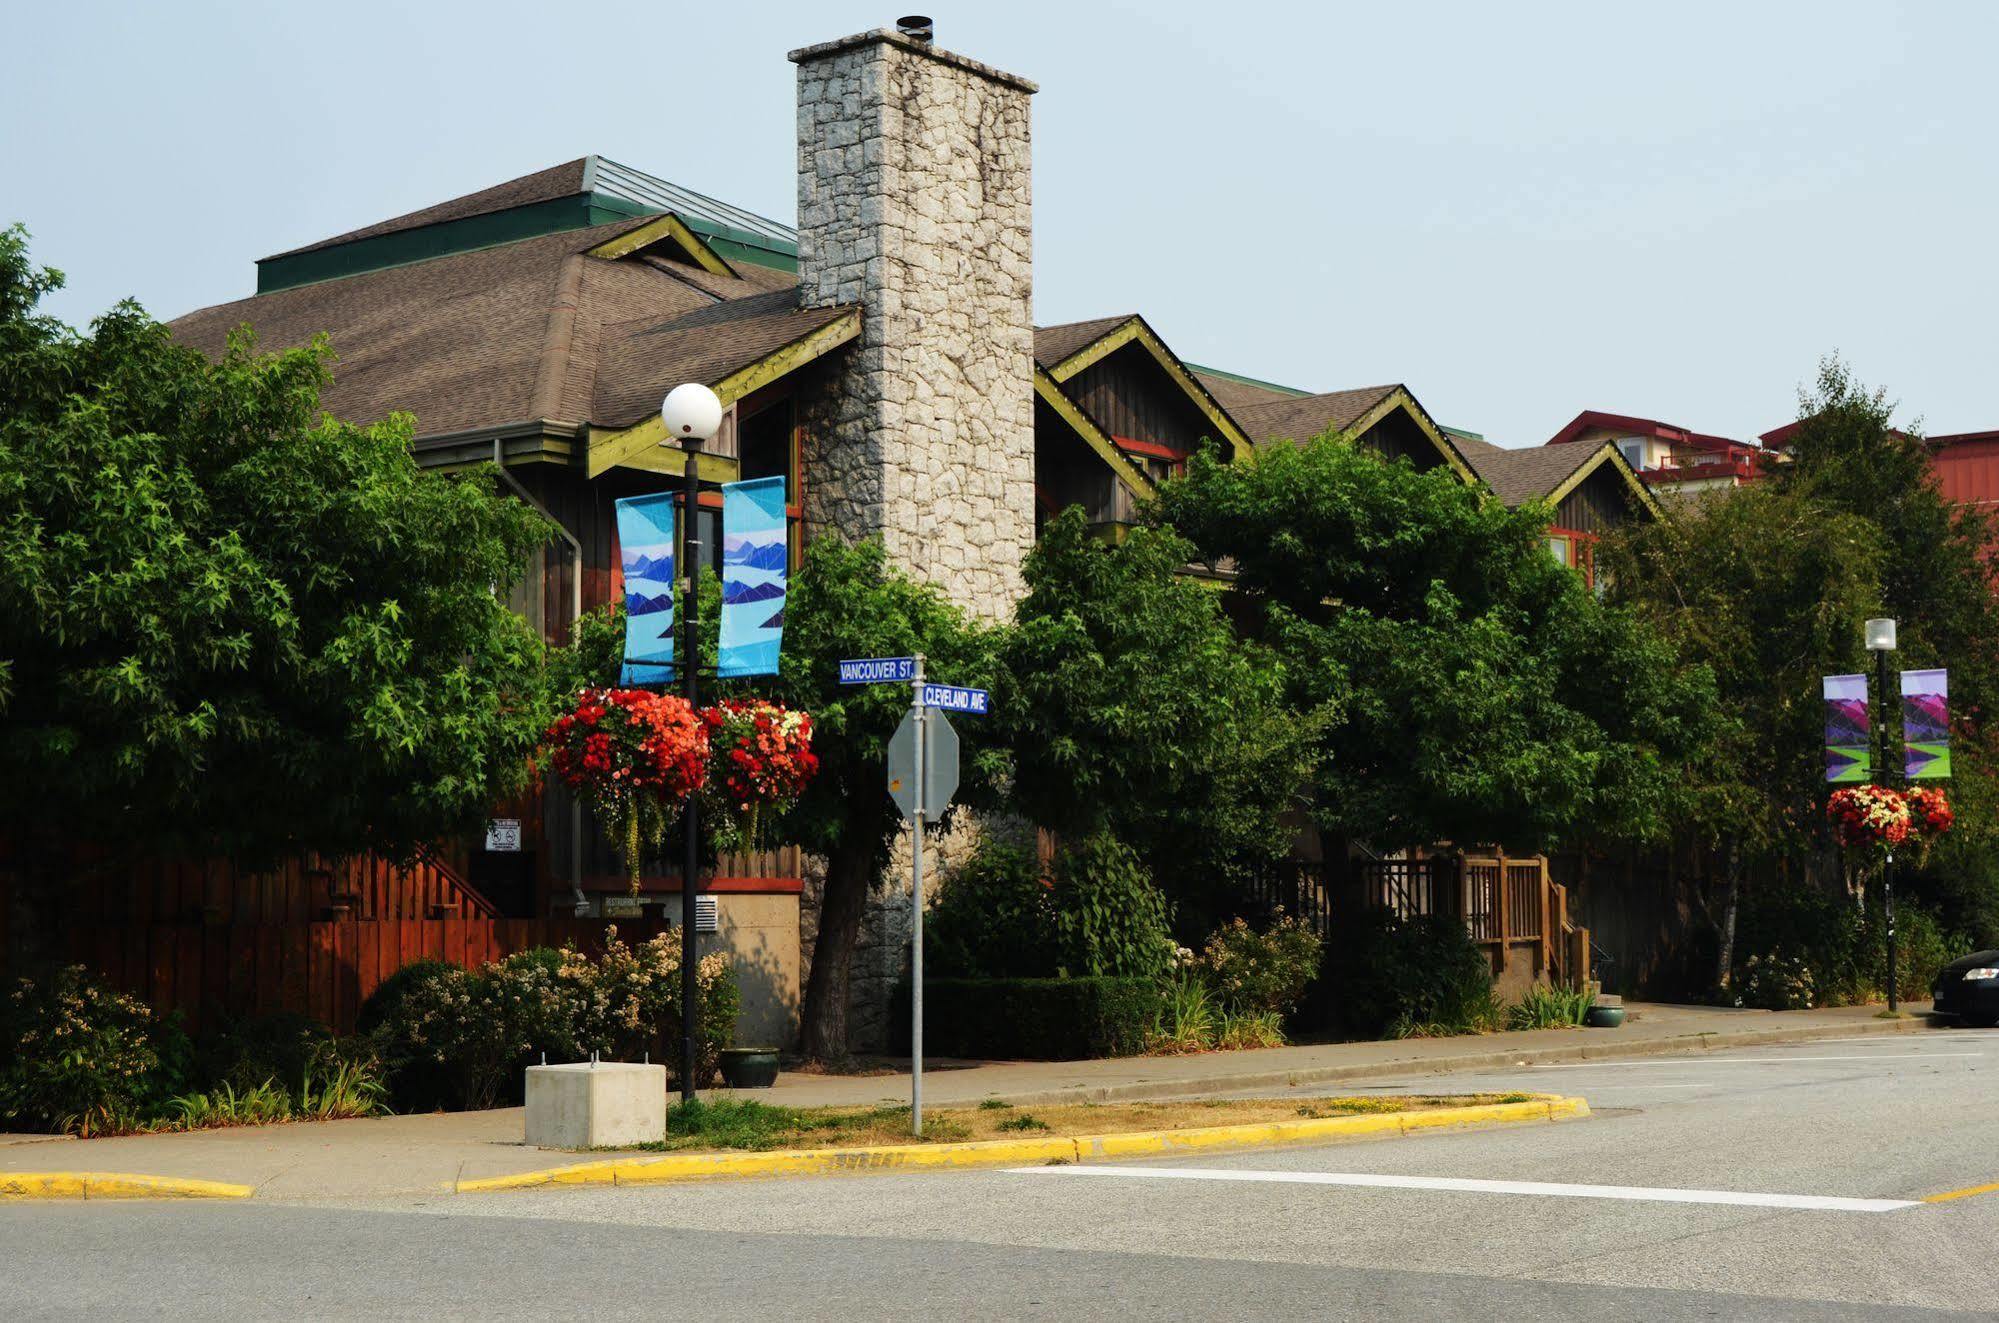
(1520, 210)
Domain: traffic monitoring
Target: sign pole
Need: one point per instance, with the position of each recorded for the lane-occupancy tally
(916, 913)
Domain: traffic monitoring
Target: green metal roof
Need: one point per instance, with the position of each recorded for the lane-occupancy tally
(609, 192)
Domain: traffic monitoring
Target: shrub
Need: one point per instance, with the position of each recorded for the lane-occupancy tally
(281, 1046)
(1187, 1020)
(1250, 1029)
(1262, 973)
(991, 918)
(1776, 982)
(1546, 1007)
(628, 1002)
(1388, 975)
(1035, 1019)
(77, 1056)
(1808, 948)
(381, 1003)
(1109, 918)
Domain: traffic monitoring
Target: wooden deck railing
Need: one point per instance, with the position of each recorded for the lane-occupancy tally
(1510, 905)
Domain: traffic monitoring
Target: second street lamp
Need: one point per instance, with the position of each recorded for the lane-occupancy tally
(692, 414)
(1880, 636)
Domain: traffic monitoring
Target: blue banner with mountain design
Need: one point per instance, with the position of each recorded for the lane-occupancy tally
(1926, 724)
(645, 541)
(755, 566)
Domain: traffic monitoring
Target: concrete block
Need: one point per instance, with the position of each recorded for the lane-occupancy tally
(595, 1106)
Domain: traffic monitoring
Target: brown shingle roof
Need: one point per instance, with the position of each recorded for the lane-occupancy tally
(1235, 395)
(527, 331)
(1300, 418)
(558, 181)
(1052, 344)
(1519, 476)
(642, 360)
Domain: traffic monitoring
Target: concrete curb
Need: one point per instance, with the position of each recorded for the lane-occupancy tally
(22, 1185)
(1596, 1049)
(1018, 1152)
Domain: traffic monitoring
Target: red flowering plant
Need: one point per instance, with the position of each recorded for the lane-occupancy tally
(634, 756)
(762, 760)
(1930, 814)
(1873, 817)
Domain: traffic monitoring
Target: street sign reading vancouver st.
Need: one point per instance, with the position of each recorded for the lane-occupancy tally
(878, 670)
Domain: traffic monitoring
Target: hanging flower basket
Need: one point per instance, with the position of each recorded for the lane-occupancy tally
(761, 760)
(1870, 818)
(635, 757)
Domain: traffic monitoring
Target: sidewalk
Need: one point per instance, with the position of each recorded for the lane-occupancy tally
(431, 1154)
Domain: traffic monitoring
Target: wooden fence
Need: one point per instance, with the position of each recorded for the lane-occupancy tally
(214, 972)
(1511, 906)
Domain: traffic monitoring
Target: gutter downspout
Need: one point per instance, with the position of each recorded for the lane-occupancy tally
(575, 614)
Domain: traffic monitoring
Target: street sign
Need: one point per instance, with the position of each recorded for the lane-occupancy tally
(951, 698)
(878, 670)
(940, 766)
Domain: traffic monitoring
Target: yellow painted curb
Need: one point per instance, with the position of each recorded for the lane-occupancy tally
(1019, 1152)
(112, 1185)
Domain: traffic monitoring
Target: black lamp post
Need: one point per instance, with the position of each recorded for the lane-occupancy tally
(692, 414)
(1880, 635)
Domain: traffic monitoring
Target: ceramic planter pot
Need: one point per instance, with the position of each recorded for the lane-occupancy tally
(1605, 1017)
(749, 1067)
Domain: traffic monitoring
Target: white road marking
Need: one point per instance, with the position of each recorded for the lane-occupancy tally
(1756, 1061)
(1734, 1198)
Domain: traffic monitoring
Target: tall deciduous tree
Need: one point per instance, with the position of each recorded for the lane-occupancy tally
(228, 621)
(846, 601)
(1485, 694)
(1133, 707)
(1766, 588)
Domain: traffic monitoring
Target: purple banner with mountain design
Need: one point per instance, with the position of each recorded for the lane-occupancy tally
(1846, 728)
(645, 551)
(1926, 724)
(755, 565)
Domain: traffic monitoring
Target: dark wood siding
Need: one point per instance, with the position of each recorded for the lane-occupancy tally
(1600, 503)
(1130, 395)
(1067, 472)
(1398, 436)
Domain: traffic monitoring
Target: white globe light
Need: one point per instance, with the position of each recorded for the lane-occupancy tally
(692, 410)
(1880, 633)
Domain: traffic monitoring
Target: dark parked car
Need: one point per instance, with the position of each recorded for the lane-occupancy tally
(1969, 989)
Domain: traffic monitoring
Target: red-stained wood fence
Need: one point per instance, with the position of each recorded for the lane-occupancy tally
(215, 972)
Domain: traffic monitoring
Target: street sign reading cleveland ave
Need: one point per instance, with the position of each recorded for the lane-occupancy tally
(951, 698)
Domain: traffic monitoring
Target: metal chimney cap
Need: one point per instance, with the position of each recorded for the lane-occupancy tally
(917, 27)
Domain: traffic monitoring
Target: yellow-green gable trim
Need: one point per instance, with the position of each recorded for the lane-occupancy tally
(663, 229)
(1051, 394)
(625, 446)
(1608, 453)
(1136, 331)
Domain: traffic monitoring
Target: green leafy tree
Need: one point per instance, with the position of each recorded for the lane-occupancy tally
(1765, 588)
(846, 601)
(1133, 708)
(231, 622)
(1484, 694)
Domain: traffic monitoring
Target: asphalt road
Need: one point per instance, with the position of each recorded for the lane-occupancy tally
(1681, 1198)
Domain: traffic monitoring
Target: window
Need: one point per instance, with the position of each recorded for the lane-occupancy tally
(1634, 452)
(1562, 549)
(764, 447)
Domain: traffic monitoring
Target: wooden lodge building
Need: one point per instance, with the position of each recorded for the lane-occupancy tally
(879, 355)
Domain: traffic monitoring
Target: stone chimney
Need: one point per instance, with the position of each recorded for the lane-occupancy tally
(914, 202)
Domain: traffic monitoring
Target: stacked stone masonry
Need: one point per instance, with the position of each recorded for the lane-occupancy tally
(914, 202)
